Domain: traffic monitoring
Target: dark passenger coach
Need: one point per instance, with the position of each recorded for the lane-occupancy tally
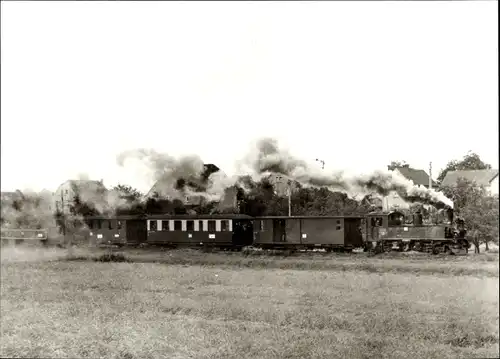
(222, 231)
(307, 232)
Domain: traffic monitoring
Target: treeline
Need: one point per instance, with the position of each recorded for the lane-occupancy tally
(260, 200)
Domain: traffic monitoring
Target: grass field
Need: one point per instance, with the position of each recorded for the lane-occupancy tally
(237, 306)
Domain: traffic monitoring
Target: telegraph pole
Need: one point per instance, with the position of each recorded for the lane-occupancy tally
(430, 175)
(288, 193)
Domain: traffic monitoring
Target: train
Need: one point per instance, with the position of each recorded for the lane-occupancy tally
(375, 232)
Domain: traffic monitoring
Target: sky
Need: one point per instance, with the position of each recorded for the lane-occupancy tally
(356, 84)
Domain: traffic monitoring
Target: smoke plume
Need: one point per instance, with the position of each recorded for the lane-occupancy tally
(178, 177)
(269, 158)
(97, 197)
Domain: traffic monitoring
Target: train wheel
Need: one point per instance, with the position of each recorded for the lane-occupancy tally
(435, 250)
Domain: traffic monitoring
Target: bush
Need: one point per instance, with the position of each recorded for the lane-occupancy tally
(112, 257)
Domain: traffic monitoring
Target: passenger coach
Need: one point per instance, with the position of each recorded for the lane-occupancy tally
(221, 231)
(307, 232)
(119, 230)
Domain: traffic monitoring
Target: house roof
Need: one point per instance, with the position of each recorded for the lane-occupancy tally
(481, 177)
(419, 177)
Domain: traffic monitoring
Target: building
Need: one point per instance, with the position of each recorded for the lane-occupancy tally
(485, 178)
(417, 176)
(89, 191)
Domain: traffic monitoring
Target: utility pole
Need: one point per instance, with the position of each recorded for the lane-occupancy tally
(430, 175)
(322, 163)
(288, 193)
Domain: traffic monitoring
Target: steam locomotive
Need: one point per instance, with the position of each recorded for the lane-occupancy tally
(395, 231)
(376, 232)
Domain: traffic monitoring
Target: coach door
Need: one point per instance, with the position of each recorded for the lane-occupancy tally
(279, 230)
(136, 231)
(352, 232)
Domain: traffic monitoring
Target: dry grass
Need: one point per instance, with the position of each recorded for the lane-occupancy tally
(484, 265)
(149, 310)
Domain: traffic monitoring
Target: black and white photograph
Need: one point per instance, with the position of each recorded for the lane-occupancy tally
(249, 179)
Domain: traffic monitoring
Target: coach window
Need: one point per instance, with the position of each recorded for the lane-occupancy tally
(262, 225)
(211, 226)
(153, 225)
(110, 224)
(224, 225)
(200, 224)
(164, 225)
(98, 224)
(190, 226)
(118, 224)
(177, 225)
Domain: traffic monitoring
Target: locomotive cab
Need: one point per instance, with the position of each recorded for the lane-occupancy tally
(376, 224)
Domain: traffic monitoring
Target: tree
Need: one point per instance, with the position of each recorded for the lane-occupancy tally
(261, 200)
(479, 210)
(79, 208)
(471, 161)
(132, 200)
(128, 192)
(258, 200)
